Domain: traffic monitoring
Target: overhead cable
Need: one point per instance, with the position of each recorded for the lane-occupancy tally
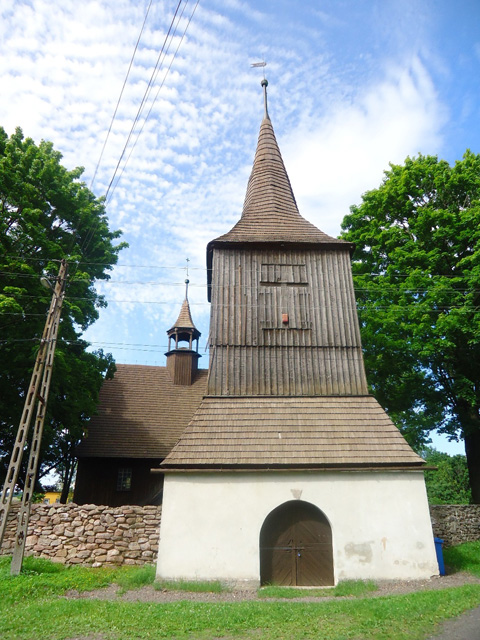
(144, 99)
(121, 94)
(156, 95)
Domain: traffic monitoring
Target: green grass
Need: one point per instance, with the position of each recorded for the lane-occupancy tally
(41, 579)
(32, 607)
(356, 588)
(351, 588)
(135, 577)
(410, 617)
(464, 557)
(196, 587)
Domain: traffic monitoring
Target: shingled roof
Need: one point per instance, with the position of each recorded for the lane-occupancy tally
(141, 413)
(184, 320)
(270, 212)
(184, 323)
(291, 432)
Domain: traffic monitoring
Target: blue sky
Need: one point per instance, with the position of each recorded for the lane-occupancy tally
(353, 85)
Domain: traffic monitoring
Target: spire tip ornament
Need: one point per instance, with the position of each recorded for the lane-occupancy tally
(264, 84)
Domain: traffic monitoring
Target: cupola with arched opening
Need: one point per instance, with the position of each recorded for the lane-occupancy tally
(182, 355)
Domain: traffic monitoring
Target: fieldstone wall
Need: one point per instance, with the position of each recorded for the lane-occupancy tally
(456, 523)
(96, 535)
(89, 534)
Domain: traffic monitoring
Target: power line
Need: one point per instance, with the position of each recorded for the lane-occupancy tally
(155, 348)
(376, 308)
(121, 94)
(157, 266)
(89, 235)
(108, 264)
(121, 265)
(145, 96)
(112, 185)
(158, 91)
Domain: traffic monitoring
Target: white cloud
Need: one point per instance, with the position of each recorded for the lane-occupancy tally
(333, 161)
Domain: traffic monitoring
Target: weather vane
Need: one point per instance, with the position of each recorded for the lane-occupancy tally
(262, 64)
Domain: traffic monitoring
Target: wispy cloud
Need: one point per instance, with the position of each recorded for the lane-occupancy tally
(343, 154)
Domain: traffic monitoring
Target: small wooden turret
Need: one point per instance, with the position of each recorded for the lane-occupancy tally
(182, 361)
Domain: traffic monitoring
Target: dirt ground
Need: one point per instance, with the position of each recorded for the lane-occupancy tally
(150, 594)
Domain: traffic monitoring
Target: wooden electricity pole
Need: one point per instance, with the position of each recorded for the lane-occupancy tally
(37, 395)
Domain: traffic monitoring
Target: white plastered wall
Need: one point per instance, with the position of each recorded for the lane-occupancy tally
(211, 523)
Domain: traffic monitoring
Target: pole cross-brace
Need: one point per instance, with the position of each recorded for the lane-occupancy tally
(37, 395)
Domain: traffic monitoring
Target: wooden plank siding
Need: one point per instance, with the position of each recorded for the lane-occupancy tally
(182, 366)
(317, 352)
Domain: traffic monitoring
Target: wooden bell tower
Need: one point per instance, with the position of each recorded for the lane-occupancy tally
(289, 469)
(182, 361)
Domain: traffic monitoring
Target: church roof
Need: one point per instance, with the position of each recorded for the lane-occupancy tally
(141, 413)
(291, 432)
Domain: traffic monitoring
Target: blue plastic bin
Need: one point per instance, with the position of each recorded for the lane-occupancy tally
(439, 551)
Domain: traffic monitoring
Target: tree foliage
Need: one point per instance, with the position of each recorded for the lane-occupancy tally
(449, 483)
(47, 214)
(417, 274)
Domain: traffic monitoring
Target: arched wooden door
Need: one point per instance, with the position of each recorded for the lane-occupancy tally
(296, 546)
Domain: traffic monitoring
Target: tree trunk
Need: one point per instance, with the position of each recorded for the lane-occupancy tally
(67, 480)
(472, 450)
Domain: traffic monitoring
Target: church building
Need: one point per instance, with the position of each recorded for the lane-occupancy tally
(142, 412)
(288, 472)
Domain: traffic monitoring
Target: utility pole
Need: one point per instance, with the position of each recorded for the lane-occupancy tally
(37, 395)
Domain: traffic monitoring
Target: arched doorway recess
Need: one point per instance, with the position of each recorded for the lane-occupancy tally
(296, 546)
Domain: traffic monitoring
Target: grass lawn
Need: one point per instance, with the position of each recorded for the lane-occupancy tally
(32, 607)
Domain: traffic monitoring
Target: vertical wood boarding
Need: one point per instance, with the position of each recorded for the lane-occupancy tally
(254, 352)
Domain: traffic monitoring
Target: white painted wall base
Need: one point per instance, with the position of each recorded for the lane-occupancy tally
(211, 523)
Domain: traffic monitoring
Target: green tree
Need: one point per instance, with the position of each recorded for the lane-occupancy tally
(47, 214)
(417, 274)
(449, 483)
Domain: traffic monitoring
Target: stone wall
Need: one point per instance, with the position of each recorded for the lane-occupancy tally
(456, 523)
(89, 534)
(96, 535)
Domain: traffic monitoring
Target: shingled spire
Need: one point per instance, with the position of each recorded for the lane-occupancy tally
(270, 212)
(184, 329)
(182, 361)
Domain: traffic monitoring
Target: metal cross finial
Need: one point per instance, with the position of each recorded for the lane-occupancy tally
(187, 260)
